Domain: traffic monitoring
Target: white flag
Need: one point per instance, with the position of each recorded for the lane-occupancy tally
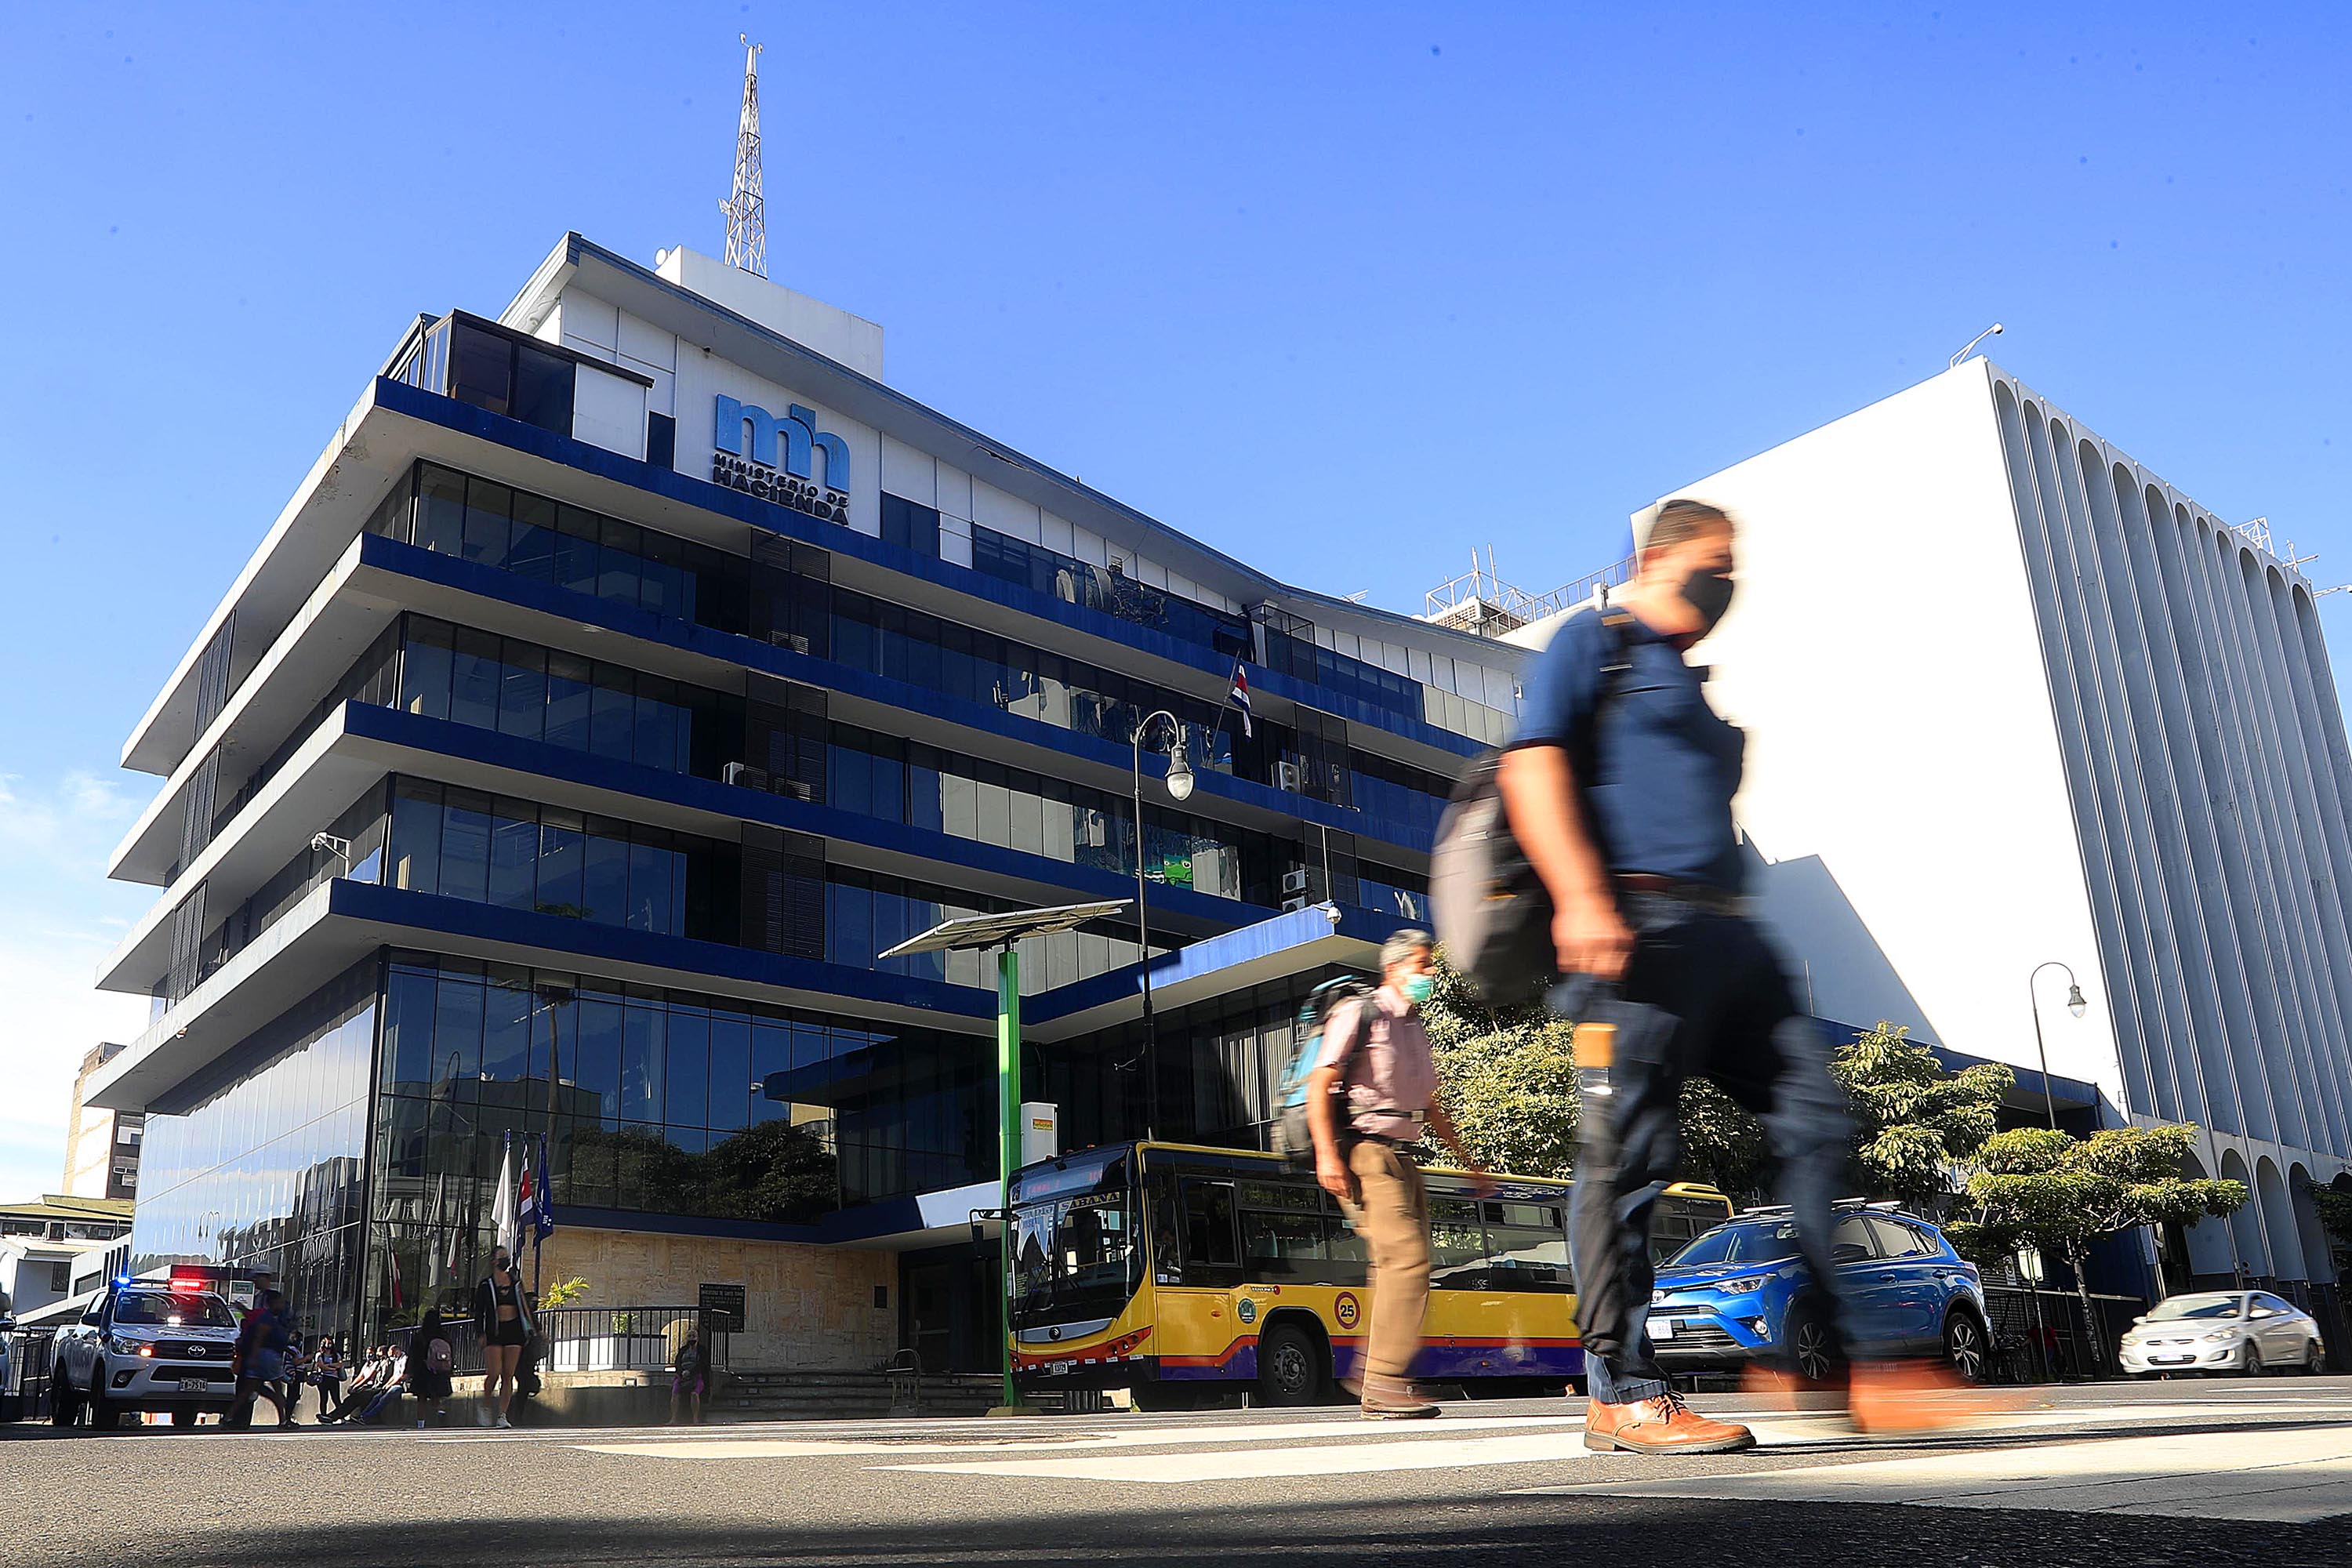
(502, 1216)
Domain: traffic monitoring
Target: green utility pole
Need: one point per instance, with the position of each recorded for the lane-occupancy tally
(1008, 1152)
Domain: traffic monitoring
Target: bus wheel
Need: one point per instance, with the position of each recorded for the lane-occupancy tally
(1289, 1366)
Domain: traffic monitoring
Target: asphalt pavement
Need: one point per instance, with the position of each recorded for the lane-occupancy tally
(2207, 1473)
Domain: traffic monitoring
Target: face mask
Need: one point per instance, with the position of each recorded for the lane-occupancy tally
(1708, 593)
(1418, 987)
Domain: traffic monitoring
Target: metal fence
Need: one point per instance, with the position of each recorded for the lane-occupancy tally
(25, 1390)
(587, 1339)
(2038, 1335)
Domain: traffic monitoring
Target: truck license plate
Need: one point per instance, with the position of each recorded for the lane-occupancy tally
(195, 1385)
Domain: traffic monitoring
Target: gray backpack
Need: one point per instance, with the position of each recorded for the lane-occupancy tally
(1492, 911)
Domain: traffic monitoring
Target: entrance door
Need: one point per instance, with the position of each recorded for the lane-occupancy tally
(930, 1292)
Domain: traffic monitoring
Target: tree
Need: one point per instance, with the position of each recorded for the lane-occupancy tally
(1913, 1119)
(2037, 1187)
(2334, 1206)
(1510, 1075)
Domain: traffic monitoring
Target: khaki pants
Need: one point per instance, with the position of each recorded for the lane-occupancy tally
(1393, 1219)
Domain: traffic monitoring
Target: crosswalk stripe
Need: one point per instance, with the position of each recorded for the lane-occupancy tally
(1264, 1463)
(1088, 1438)
(2272, 1474)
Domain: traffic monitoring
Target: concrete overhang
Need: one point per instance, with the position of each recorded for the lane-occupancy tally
(1295, 943)
(341, 923)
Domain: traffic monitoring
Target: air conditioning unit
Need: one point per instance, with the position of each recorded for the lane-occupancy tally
(745, 774)
(1294, 882)
(1292, 906)
(795, 788)
(792, 640)
(1289, 776)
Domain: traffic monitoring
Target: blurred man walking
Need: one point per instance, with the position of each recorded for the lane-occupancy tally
(1619, 785)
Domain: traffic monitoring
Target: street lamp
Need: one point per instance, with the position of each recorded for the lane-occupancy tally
(1180, 788)
(2074, 1004)
(1003, 931)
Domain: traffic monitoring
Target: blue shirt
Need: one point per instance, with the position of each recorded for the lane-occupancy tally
(1659, 770)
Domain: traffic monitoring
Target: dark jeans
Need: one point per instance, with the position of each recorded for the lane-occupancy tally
(1702, 993)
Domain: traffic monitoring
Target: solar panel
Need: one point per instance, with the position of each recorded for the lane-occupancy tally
(995, 931)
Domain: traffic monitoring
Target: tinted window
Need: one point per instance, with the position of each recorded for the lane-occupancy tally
(1896, 1239)
(172, 1309)
(1766, 1242)
(1849, 1243)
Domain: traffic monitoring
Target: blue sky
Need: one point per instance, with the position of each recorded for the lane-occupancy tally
(1344, 290)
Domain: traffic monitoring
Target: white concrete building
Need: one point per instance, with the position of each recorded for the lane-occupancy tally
(2011, 697)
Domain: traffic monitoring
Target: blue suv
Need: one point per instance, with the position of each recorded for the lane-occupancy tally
(1740, 1292)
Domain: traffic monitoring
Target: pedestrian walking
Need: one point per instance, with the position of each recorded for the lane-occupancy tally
(1372, 1093)
(431, 1359)
(502, 1324)
(259, 1361)
(1619, 786)
(692, 1380)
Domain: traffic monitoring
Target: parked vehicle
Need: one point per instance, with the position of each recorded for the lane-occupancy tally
(145, 1344)
(1740, 1292)
(2247, 1332)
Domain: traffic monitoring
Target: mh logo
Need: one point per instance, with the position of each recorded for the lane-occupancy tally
(774, 458)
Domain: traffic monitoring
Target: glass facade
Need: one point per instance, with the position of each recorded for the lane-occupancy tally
(1216, 1065)
(1109, 589)
(255, 1163)
(352, 1144)
(584, 552)
(663, 1101)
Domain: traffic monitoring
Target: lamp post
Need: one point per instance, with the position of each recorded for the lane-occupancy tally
(2074, 1004)
(1180, 788)
(1004, 932)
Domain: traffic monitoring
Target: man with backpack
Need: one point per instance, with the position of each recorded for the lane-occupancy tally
(1372, 1092)
(1619, 786)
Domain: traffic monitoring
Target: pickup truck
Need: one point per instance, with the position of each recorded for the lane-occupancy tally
(145, 1344)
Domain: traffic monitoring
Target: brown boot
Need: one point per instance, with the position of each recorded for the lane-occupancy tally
(1660, 1425)
(1891, 1396)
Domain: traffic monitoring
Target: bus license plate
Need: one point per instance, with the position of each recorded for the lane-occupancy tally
(195, 1385)
(1662, 1328)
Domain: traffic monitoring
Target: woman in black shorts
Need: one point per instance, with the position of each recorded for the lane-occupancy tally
(503, 1321)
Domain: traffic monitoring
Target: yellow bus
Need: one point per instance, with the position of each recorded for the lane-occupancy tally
(1182, 1274)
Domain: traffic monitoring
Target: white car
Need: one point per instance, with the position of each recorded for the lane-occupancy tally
(145, 1344)
(2247, 1332)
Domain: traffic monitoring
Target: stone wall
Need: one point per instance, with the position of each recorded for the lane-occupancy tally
(803, 1305)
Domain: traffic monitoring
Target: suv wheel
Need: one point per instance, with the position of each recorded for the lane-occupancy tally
(1810, 1347)
(63, 1406)
(1964, 1347)
(103, 1415)
(1289, 1366)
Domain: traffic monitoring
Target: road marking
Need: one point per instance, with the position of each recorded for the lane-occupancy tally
(1258, 1464)
(2285, 1475)
(1087, 1437)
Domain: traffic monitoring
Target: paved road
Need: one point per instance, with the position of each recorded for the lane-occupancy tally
(2254, 1472)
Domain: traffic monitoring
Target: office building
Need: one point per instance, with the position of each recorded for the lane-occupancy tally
(631, 670)
(101, 1145)
(2018, 707)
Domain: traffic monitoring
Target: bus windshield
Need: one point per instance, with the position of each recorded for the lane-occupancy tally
(1074, 1246)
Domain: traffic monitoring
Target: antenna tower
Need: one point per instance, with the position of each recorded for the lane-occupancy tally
(746, 212)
